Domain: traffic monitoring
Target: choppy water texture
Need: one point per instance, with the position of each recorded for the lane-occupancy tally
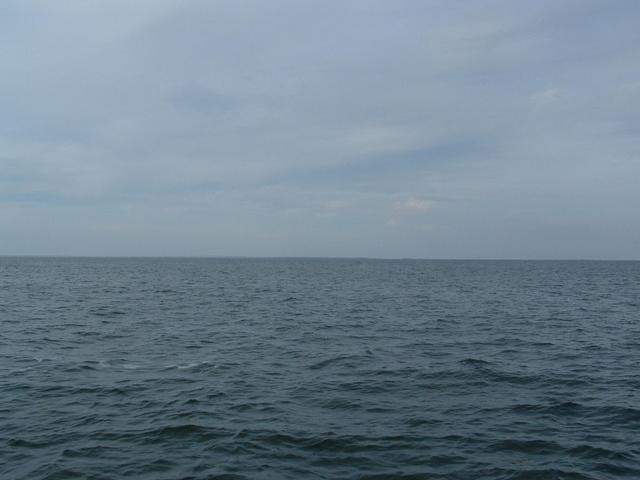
(289, 368)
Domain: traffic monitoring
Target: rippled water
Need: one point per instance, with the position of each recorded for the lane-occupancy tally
(290, 368)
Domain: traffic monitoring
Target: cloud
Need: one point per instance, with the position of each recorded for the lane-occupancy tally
(414, 206)
(545, 96)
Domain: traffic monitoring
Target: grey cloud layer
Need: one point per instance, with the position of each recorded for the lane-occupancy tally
(366, 128)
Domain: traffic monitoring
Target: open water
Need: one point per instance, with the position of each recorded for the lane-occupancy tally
(310, 368)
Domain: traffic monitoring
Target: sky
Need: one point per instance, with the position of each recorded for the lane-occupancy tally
(351, 128)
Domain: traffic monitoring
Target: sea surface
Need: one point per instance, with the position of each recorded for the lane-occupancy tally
(318, 369)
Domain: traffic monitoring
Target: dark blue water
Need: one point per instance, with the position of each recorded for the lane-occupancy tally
(346, 369)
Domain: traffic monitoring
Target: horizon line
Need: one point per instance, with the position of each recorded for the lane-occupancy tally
(320, 257)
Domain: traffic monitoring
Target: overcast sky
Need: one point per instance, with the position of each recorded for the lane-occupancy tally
(433, 129)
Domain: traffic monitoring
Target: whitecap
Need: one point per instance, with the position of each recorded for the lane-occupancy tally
(131, 366)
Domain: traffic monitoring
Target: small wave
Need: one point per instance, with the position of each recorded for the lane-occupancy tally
(593, 452)
(22, 443)
(162, 434)
(190, 366)
(530, 474)
(340, 404)
(131, 366)
(330, 361)
(474, 362)
(612, 414)
(539, 447)
(106, 313)
(560, 408)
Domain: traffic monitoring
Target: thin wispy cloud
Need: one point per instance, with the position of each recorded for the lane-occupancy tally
(414, 206)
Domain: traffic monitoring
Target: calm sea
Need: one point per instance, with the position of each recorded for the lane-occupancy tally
(310, 368)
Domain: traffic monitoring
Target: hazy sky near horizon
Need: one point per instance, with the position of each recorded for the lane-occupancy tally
(396, 128)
